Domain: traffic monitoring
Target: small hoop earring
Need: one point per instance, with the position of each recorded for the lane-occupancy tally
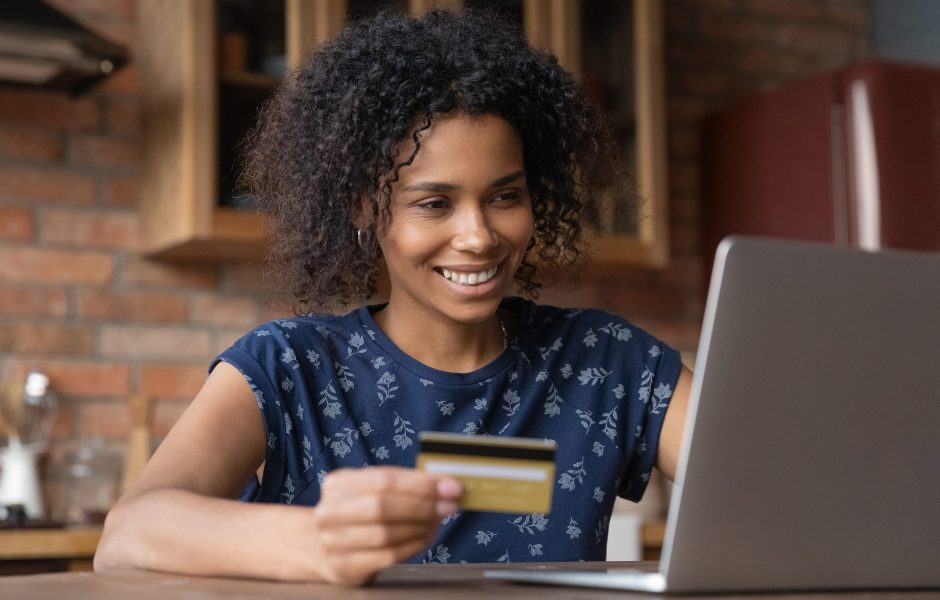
(359, 239)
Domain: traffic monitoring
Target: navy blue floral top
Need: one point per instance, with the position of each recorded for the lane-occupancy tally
(334, 392)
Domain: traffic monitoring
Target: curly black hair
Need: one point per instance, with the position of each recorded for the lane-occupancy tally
(329, 135)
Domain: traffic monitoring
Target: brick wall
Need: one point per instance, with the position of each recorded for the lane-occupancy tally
(77, 301)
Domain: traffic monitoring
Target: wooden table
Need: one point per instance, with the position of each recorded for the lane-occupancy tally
(36, 550)
(453, 582)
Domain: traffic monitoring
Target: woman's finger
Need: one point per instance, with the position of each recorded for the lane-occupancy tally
(374, 536)
(387, 479)
(381, 508)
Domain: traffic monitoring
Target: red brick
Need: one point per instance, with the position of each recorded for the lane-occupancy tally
(172, 343)
(684, 142)
(103, 419)
(37, 301)
(29, 338)
(584, 295)
(853, 13)
(686, 272)
(680, 334)
(702, 82)
(699, 6)
(121, 192)
(212, 309)
(64, 426)
(243, 278)
(101, 151)
(683, 54)
(89, 229)
(151, 272)
(684, 177)
(684, 206)
(54, 266)
(277, 310)
(796, 9)
(684, 238)
(30, 144)
(739, 30)
(830, 41)
(57, 186)
(172, 381)
(638, 302)
(679, 19)
(122, 116)
(49, 110)
(16, 223)
(765, 61)
(78, 378)
(137, 306)
(123, 81)
(223, 339)
(686, 109)
(165, 415)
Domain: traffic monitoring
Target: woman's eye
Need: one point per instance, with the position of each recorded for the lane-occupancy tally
(508, 197)
(436, 204)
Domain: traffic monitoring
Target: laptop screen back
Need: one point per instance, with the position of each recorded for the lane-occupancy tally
(812, 453)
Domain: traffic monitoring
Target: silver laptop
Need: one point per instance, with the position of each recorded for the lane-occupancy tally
(811, 456)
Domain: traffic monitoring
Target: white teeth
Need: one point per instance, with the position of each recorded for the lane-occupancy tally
(469, 278)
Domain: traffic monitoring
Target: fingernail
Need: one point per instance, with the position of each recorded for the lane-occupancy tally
(446, 507)
(449, 488)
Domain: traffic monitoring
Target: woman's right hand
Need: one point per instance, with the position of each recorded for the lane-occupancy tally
(370, 519)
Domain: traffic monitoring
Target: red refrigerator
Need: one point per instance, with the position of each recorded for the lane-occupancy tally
(850, 157)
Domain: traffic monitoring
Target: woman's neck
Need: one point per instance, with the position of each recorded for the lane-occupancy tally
(442, 343)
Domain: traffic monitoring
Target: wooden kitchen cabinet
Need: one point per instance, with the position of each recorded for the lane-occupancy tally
(197, 101)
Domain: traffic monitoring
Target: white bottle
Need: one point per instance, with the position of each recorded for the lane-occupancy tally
(19, 478)
(39, 410)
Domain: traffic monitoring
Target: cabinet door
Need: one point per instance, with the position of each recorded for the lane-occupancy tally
(616, 46)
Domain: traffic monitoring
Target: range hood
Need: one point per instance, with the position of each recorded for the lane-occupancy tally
(40, 47)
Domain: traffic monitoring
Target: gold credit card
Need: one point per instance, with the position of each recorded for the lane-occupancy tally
(499, 474)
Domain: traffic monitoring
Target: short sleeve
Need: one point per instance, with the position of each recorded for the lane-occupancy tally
(654, 371)
(267, 359)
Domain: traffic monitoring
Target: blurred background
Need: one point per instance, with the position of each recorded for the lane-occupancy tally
(128, 258)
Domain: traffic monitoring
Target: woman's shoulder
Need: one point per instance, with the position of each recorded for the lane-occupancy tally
(314, 331)
(549, 320)
(583, 334)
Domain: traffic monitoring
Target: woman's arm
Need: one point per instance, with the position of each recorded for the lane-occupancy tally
(180, 517)
(671, 436)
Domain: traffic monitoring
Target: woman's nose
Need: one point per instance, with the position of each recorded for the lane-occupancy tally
(474, 233)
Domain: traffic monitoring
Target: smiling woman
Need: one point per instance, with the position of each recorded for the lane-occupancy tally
(460, 225)
(463, 158)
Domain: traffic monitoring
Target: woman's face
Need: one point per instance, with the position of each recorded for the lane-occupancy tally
(461, 219)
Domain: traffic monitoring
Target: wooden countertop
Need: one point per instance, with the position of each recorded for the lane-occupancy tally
(69, 543)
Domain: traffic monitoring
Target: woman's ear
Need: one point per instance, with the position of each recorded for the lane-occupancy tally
(362, 215)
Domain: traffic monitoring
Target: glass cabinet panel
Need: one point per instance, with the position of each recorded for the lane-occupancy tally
(608, 74)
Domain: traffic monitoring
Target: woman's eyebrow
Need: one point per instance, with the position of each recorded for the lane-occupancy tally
(440, 186)
(508, 178)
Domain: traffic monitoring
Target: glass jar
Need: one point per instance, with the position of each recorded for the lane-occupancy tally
(84, 480)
